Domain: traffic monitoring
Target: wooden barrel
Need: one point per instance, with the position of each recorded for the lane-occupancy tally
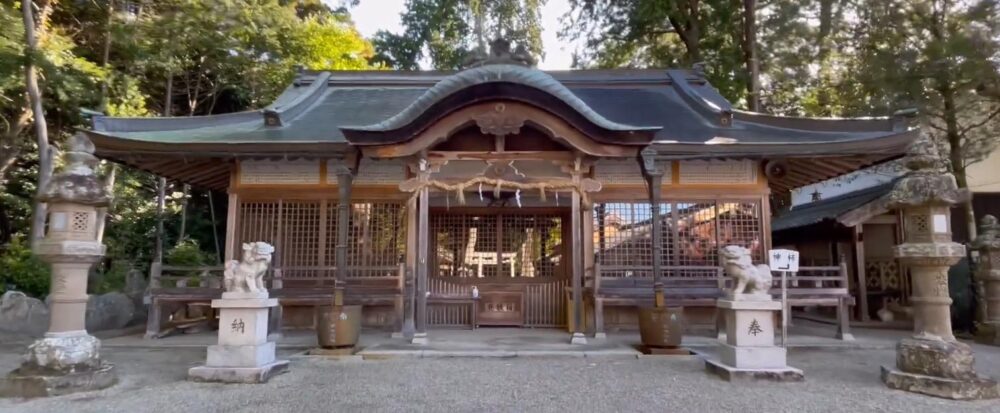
(339, 327)
(661, 326)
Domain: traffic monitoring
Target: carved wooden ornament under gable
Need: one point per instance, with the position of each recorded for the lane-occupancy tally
(499, 121)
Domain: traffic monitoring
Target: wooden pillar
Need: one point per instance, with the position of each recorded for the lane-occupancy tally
(344, 181)
(409, 273)
(420, 337)
(588, 255)
(654, 177)
(577, 251)
(231, 226)
(859, 269)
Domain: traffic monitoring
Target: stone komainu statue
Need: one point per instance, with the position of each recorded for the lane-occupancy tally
(751, 280)
(247, 275)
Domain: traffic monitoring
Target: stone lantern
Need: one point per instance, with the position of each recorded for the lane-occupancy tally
(988, 274)
(931, 361)
(67, 359)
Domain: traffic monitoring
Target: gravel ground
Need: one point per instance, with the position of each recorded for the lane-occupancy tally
(153, 380)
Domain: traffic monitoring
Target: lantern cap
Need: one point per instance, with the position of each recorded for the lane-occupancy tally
(926, 183)
(76, 182)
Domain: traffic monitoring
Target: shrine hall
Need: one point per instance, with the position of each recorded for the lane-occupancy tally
(497, 195)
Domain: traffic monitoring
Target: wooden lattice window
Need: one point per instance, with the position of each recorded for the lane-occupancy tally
(376, 239)
(304, 234)
(624, 238)
(692, 233)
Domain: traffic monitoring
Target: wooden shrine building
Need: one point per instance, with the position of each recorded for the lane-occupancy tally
(561, 197)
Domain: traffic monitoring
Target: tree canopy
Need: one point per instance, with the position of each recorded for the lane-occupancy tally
(126, 58)
(446, 31)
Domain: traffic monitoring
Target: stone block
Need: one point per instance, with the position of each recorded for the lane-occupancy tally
(20, 383)
(753, 357)
(972, 388)
(244, 302)
(229, 295)
(729, 373)
(240, 356)
(243, 326)
(749, 327)
(238, 374)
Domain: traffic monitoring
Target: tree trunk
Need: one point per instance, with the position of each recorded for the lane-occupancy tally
(687, 27)
(161, 203)
(750, 54)
(186, 189)
(161, 185)
(41, 128)
(103, 108)
(10, 147)
(102, 213)
(823, 54)
(956, 157)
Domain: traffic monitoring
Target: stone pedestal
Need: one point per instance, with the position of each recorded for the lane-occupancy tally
(243, 355)
(67, 359)
(749, 351)
(60, 363)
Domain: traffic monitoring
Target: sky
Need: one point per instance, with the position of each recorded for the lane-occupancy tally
(371, 16)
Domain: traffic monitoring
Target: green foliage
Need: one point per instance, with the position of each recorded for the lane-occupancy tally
(187, 253)
(21, 270)
(657, 33)
(221, 56)
(447, 30)
(333, 44)
(111, 279)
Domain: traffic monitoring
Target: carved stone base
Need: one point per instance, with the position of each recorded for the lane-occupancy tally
(728, 373)
(938, 368)
(20, 383)
(249, 375)
(63, 352)
(578, 338)
(974, 388)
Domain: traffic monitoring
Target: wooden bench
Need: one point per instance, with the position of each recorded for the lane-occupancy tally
(820, 286)
(176, 285)
(319, 292)
(691, 286)
(632, 286)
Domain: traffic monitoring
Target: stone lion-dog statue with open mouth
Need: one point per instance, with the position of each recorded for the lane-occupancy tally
(753, 282)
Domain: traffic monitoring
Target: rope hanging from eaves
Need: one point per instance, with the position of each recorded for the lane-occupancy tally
(583, 187)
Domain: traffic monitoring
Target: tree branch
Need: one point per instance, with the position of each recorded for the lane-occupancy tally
(988, 118)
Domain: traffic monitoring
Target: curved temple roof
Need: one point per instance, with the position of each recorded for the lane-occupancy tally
(451, 86)
(676, 112)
